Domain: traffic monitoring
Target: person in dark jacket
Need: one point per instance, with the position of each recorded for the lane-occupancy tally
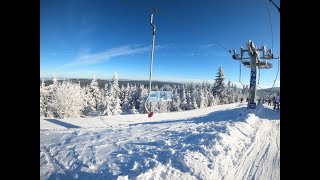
(276, 102)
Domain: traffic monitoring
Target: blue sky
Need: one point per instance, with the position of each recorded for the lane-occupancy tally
(82, 38)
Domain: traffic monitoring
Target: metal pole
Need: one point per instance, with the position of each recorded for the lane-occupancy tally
(151, 61)
(152, 50)
(253, 83)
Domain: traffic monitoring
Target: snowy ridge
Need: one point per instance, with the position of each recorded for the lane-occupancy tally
(223, 142)
(123, 120)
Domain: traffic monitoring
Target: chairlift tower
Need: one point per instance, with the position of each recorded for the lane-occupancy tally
(253, 61)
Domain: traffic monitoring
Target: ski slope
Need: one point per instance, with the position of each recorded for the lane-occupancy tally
(220, 142)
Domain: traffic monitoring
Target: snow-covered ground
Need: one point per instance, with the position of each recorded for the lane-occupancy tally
(220, 142)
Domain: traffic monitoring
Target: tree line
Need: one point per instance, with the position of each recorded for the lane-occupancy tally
(68, 99)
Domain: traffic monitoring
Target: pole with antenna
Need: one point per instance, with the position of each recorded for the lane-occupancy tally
(150, 114)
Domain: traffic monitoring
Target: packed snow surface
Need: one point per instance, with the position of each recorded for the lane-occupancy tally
(220, 142)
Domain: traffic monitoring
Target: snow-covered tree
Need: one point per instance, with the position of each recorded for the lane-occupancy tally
(142, 94)
(125, 98)
(94, 96)
(229, 85)
(219, 88)
(229, 93)
(116, 106)
(114, 94)
(245, 89)
(113, 100)
(68, 100)
(133, 109)
(43, 99)
(105, 105)
(202, 103)
(156, 88)
(235, 89)
(162, 106)
(176, 101)
(195, 105)
(51, 92)
(183, 104)
(166, 88)
(190, 101)
(205, 95)
(55, 81)
(87, 99)
(211, 99)
(133, 96)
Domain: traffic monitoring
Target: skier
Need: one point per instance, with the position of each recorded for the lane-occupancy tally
(241, 99)
(273, 101)
(276, 102)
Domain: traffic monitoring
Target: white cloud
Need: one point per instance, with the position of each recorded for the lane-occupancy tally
(95, 58)
(213, 49)
(205, 46)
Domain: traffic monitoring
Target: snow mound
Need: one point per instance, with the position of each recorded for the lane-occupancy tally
(225, 142)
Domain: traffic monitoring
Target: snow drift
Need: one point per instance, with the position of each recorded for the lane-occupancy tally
(220, 142)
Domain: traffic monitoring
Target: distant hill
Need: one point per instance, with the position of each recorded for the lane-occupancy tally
(84, 82)
(268, 91)
(101, 82)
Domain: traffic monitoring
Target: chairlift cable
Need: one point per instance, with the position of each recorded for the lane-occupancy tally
(175, 22)
(271, 48)
(270, 26)
(240, 62)
(274, 79)
(258, 76)
(223, 47)
(275, 5)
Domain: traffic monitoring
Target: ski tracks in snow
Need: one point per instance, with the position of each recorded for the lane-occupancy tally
(230, 144)
(261, 159)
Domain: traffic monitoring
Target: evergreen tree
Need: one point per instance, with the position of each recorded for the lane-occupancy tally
(142, 95)
(125, 99)
(51, 93)
(133, 109)
(105, 106)
(68, 101)
(176, 100)
(202, 99)
(162, 107)
(219, 88)
(114, 95)
(190, 101)
(229, 85)
(195, 105)
(95, 95)
(183, 104)
(211, 99)
(43, 99)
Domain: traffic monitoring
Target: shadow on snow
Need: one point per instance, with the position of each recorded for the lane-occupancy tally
(223, 115)
(135, 158)
(60, 123)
